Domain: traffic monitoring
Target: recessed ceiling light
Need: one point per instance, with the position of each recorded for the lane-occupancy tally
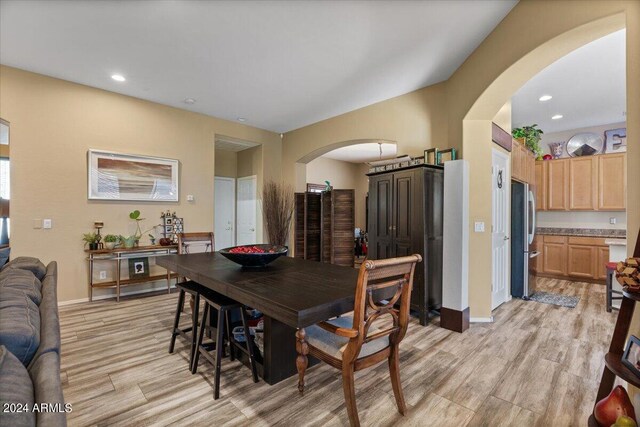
(242, 119)
(545, 98)
(118, 77)
(557, 117)
(189, 101)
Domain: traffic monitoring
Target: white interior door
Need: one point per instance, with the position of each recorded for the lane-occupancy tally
(225, 212)
(247, 210)
(500, 229)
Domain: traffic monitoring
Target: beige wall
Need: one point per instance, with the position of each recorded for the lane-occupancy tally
(226, 163)
(342, 175)
(54, 123)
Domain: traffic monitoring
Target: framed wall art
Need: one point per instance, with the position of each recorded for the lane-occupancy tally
(431, 156)
(631, 357)
(446, 155)
(138, 268)
(116, 176)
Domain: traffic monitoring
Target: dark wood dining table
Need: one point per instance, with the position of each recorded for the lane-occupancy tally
(292, 294)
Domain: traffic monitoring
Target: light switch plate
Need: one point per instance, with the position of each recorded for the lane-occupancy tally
(190, 198)
(46, 223)
(479, 227)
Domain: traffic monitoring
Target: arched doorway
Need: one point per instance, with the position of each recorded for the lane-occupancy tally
(477, 145)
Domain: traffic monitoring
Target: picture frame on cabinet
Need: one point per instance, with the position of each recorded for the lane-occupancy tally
(631, 356)
(446, 155)
(431, 156)
(615, 140)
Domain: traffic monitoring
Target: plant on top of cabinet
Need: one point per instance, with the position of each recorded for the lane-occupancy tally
(531, 135)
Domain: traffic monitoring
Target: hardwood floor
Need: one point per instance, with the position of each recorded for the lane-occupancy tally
(536, 365)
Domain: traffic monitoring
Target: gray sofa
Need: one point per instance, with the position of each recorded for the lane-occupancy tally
(30, 386)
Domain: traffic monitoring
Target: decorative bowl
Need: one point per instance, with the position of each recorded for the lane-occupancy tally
(246, 259)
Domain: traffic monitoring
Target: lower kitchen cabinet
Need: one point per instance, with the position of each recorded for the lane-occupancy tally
(578, 258)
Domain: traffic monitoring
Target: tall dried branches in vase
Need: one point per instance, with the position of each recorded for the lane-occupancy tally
(277, 209)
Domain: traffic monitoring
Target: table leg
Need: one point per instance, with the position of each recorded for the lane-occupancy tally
(90, 277)
(301, 361)
(118, 280)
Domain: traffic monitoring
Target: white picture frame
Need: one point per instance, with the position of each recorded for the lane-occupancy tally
(118, 176)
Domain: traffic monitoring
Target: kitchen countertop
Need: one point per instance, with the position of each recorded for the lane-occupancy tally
(582, 232)
(616, 242)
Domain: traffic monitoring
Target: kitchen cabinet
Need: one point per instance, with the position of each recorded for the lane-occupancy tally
(577, 258)
(522, 163)
(540, 170)
(558, 185)
(554, 252)
(583, 183)
(595, 183)
(405, 217)
(612, 182)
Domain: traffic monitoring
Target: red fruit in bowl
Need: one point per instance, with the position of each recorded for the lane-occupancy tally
(611, 407)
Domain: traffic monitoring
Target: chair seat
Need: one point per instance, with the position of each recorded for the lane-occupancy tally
(335, 345)
(214, 297)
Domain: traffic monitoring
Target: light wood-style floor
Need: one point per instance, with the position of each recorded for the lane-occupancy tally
(537, 364)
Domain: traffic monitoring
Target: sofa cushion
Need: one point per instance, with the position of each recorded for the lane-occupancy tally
(22, 280)
(4, 256)
(28, 263)
(19, 324)
(49, 318)
(45, 374)
(16, 389)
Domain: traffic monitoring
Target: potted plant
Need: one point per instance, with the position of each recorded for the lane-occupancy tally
(135, 215)
(110, 241)
(91, 239)
(129, 241)
(531, 136)
(278, 203)
(152, 238)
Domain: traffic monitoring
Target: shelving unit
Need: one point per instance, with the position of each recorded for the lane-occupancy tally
(120, 254)
(613, 359)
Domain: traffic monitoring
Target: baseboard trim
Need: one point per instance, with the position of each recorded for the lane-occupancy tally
(454, 320)
(110, 296)
(481, 319)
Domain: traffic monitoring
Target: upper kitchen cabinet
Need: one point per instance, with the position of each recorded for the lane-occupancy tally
(522, 163)
(541, 185)
(583, 183)
(558, 185)
(612, 182)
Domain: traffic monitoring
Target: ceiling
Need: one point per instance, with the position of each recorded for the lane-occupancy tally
(280, 65)
(360, 153)
(588, 88)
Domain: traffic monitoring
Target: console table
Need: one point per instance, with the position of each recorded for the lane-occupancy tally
(123, 254)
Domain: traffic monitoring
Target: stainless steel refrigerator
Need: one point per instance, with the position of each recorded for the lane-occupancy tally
(523, 228)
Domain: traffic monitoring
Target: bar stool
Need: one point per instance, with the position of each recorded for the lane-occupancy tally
(224, 306)
(611, 268)
(194, 289)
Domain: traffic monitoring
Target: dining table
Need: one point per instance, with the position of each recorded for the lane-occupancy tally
(291, 293)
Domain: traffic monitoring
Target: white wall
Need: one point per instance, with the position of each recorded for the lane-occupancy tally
(582, 219)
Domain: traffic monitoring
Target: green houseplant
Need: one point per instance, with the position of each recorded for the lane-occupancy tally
(135, 238)
(91, 239)
(111, 241)
(531, 136)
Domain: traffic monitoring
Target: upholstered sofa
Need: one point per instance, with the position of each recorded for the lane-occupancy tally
(30, 386)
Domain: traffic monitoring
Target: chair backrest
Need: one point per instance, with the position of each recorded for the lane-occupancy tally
(202, 238)
(384, 288)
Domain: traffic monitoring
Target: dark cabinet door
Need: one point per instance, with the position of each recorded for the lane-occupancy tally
(380, 216)
(403, 227)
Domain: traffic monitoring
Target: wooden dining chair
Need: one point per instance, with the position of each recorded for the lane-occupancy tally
(352, 342)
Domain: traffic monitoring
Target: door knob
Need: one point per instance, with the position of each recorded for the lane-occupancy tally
(506, 237)
(252, 229)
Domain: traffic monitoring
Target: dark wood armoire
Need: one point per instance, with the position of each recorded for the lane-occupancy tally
(324, 226)
(405, 217)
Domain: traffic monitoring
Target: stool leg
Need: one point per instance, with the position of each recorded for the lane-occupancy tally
(196, 357)
(219, 347)
(194, 329)
(176, 321)
(247, 337)
(230, 336)
(609, 288)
